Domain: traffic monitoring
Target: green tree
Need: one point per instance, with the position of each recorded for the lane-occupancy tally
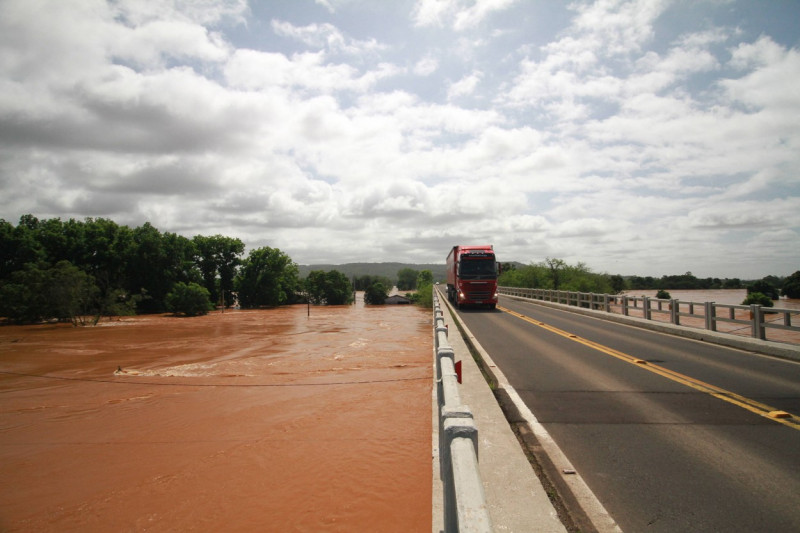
(732, 283)
(23, 294)
(72, 294)
(217, 258)
(362, 283)
(617, 284)
(407, 279)
(758, 298)
(791, 286)
(189, 299)
(268, 277)
(764, 287)
(376, 294)
(424, 295)
(425, 277)
(331, 288)
(37, 292)
(555, 266)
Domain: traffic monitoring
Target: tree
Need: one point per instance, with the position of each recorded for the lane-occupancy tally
(72, 294)
(407, 279)
(268, 277)
(23, 295)
(331, 288)
(791, 287)
(217, 258)
(425, 277)
(758, 298)
(617, 284)
(555, 266)
(376, 294)
(362, 283)
(189, 299)
(424, 295)
(36, 292)
(764, 287)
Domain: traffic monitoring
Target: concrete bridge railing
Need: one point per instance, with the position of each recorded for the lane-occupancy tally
(755, 318)
(464, 500)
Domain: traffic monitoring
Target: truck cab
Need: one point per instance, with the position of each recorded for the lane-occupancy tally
(472, 276)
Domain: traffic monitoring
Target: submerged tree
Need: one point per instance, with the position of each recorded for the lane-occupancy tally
(376, 294)
(189, 299)
(268, 277)
(331, 288)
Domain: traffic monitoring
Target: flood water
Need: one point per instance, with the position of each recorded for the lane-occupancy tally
(720, 296)
(726, 297)
(266, 420)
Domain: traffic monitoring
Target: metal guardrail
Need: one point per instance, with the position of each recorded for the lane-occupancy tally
(464, 500)
(756, 318)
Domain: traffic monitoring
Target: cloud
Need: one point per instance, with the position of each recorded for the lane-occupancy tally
(325, 36)
(601, 132)
(426, 66)
(461, 14)
(465, 86)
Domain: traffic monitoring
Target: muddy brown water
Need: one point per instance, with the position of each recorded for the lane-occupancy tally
(265, 420)
(726, 297)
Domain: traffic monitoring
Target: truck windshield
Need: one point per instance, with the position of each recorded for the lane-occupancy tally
(477, 269)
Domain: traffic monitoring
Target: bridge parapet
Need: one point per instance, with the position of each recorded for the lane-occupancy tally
(464, 500)
(733, 321)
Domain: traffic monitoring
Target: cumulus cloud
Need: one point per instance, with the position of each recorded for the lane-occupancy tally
(348, 135)
(459, 14)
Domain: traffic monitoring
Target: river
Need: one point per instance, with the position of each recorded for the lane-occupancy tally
(235, 421)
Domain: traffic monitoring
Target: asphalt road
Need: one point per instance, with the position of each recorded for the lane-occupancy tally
(639, 415)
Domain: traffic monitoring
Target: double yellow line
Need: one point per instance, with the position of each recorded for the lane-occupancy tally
(758, 408)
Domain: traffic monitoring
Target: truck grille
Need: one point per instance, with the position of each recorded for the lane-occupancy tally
(478, 295)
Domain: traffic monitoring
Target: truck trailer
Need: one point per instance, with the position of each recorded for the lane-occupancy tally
(472, 276)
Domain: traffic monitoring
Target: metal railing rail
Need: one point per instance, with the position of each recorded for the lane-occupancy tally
(464, 500)
(756, 318)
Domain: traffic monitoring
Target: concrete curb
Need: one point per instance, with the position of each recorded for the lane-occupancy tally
(515, 497)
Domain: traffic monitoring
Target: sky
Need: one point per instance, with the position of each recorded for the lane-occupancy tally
(642, 137)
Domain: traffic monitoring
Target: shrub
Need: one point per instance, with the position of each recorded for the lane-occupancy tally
(190, 299)
(663, 295)
(423, 297)
(758, 298)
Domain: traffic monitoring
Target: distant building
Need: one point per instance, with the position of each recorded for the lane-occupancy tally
(396, 299)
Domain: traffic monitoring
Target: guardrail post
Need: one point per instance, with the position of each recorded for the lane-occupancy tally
(711, 315)
(674, 316)
(625, 305)
(646, 307)
(757, 316)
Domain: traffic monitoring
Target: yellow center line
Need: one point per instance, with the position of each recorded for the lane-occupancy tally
(787, 419)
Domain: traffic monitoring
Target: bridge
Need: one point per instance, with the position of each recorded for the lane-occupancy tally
(630, 428)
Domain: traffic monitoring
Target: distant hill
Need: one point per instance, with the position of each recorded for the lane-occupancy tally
(388, 270)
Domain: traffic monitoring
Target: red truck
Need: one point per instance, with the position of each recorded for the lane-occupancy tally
(472, 276)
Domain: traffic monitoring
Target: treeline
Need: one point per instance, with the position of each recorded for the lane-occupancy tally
(558, 275)
(82, 270)
(683, 282)
(67, 269)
